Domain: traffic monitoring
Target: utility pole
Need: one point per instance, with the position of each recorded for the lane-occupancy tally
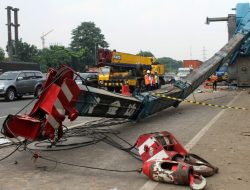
(96, 49)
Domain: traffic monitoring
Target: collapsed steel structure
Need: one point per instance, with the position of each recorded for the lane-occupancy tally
(61, 96)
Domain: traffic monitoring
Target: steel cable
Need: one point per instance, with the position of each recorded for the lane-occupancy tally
(91, 167)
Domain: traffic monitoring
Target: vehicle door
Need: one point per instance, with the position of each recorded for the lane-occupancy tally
(21, 83)
(30, 82)
(39, 79)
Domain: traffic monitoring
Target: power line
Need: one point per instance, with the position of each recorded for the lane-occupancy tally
(204, 53)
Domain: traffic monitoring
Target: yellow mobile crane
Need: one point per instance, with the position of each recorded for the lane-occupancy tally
(117, 68)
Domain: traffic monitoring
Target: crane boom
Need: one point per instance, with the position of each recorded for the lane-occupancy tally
(43, 37)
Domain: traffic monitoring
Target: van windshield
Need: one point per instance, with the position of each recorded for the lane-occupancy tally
(8, 76)
(185, 71)
(104, 70)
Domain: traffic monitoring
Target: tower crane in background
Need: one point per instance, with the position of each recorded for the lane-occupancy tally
(43, 37)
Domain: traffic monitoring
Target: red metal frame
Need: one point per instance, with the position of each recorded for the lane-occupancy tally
(45, 120)
(161, 145)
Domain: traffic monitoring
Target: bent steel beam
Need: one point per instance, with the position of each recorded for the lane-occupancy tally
(61, 97)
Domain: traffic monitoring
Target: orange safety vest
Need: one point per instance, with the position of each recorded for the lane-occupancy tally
(214, 78)
(146, 79)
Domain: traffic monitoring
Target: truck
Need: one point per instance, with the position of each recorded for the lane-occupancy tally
(222, 73)
(183, 72)
(118, 68)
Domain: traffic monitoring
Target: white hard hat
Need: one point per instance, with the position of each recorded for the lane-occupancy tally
(148, 71)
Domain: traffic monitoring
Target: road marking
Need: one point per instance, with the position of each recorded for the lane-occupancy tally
(150, 185)
(76, 125)
(3, 117)
(202, 132)
(79, 124)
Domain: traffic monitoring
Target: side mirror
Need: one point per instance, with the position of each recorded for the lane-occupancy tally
(19, 78)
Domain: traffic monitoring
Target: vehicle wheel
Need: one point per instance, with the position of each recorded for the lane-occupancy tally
(117, 89)
(110, 89)
(10, 94)
(38, 91)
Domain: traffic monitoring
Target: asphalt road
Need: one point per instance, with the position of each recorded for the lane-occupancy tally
(13, 107)
(184, 122)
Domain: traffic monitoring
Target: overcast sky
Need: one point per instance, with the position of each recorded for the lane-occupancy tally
(171, 28)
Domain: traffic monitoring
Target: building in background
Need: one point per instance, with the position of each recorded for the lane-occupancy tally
(18, 66)
(194, 64)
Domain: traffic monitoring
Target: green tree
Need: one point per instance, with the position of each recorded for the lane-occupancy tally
(2, 54)
(54, 56)
(145, 53)
(88, 37)
(78, 59)
(171, 65)
(25, 51)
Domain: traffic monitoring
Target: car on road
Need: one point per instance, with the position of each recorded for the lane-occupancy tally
(15, 84)
(90, 79)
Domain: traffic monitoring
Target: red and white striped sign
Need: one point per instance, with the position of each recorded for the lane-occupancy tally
(159, 146)
(149, 148)
(63, 105)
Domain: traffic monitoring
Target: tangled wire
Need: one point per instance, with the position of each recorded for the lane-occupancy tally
(91, 132)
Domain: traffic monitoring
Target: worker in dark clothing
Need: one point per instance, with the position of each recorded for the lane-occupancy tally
(152, 82)
(214, 80)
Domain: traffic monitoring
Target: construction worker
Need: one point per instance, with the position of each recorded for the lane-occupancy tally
(214, 80)
(147, 80)
(156, 80)
(152, 82)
